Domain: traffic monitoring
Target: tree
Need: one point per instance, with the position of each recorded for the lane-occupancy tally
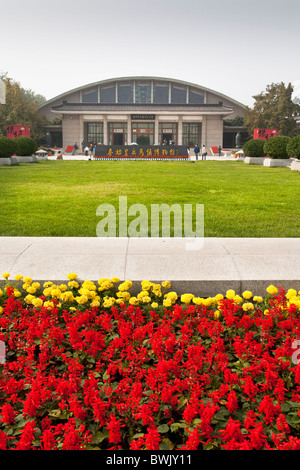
(273, 108)
(21, 108)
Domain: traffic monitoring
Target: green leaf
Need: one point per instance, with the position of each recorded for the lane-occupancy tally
(166, 444)
(175, 426)
(163, 428)
(100, 436)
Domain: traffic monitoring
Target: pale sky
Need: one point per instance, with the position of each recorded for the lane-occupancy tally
(235, 47)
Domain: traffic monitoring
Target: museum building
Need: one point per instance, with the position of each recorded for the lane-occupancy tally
(117, 111)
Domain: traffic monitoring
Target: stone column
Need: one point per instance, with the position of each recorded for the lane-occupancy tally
(204, 133)
(156, 129)
(179, 136)
(128, 130)
(105, 133)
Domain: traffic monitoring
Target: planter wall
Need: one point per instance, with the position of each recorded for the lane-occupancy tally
(295, 165)
(254, 160)
(31, 159)
(277, 162)
(8, 161)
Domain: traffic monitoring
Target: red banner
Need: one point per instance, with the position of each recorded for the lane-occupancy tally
(264, 133)
(17, 131)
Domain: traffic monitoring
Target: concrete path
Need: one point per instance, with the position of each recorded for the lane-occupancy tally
(203, 267)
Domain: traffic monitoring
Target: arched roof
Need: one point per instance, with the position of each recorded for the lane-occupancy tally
(106, 82)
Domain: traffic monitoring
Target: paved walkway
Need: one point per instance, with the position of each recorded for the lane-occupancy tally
(204, 269)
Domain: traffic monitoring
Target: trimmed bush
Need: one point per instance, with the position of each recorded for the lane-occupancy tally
(143, 140)
(276, 146)
(7, 147)
(25, 146)
(293, 147)
(254, 148)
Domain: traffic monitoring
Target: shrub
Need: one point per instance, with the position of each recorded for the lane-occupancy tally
(7, 147)
(254, 148)
(293, 147)
(276, 146)
(143, 140)
(25, 146)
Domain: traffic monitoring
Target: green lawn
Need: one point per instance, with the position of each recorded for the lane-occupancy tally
(60, 198)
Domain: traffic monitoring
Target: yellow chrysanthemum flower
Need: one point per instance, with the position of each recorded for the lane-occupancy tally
(198, 300)
(186, 298)
(82, 299)
(258, 299)
(115, 279)
(237, 299)
(230, 294)
(48, 284)
(146, 285)
(29, 298)
(1, 310)
(217, 314)
(18, 277)
(247, 294)
(247, 306)
(73, 284)
(1, 293)
(154, 305)
(48, 304)
(37, 302)
(31, 290)
(291, 293)
(133, 301)
(167, 302)
(166, 284)
(272, 290)
(5, 275)
(72, 276)
(27, 280)
(67, 296)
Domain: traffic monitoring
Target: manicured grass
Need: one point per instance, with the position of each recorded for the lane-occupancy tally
(60, 198)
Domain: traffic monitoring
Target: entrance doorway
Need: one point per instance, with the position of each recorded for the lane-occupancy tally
(118, 139)
(167, 138)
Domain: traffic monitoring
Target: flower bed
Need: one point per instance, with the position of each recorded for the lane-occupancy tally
(90, 366)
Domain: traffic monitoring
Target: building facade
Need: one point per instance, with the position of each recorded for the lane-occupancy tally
(120, 110)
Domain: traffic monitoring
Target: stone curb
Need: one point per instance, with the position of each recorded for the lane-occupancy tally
(203, 267)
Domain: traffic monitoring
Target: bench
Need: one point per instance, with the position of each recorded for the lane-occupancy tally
(215, 151)
(69, 149)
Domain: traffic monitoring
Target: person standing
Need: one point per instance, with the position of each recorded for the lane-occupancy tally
(75, 147)
(196, 151)
(204, 153)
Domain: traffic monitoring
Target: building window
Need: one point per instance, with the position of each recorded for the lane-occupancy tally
(108, 95)
(143, 94)
(191, 134)
(195, 98)
(94, 132)
(143, 129)
(167, 132)
(125, 94)
(90, 96)
(178, 95)
(161, 94)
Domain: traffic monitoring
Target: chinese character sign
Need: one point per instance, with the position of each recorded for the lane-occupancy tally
(136, 151)
(264, 133)
(17, 131)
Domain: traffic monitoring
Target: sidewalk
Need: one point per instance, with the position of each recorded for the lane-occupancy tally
(220, 264)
